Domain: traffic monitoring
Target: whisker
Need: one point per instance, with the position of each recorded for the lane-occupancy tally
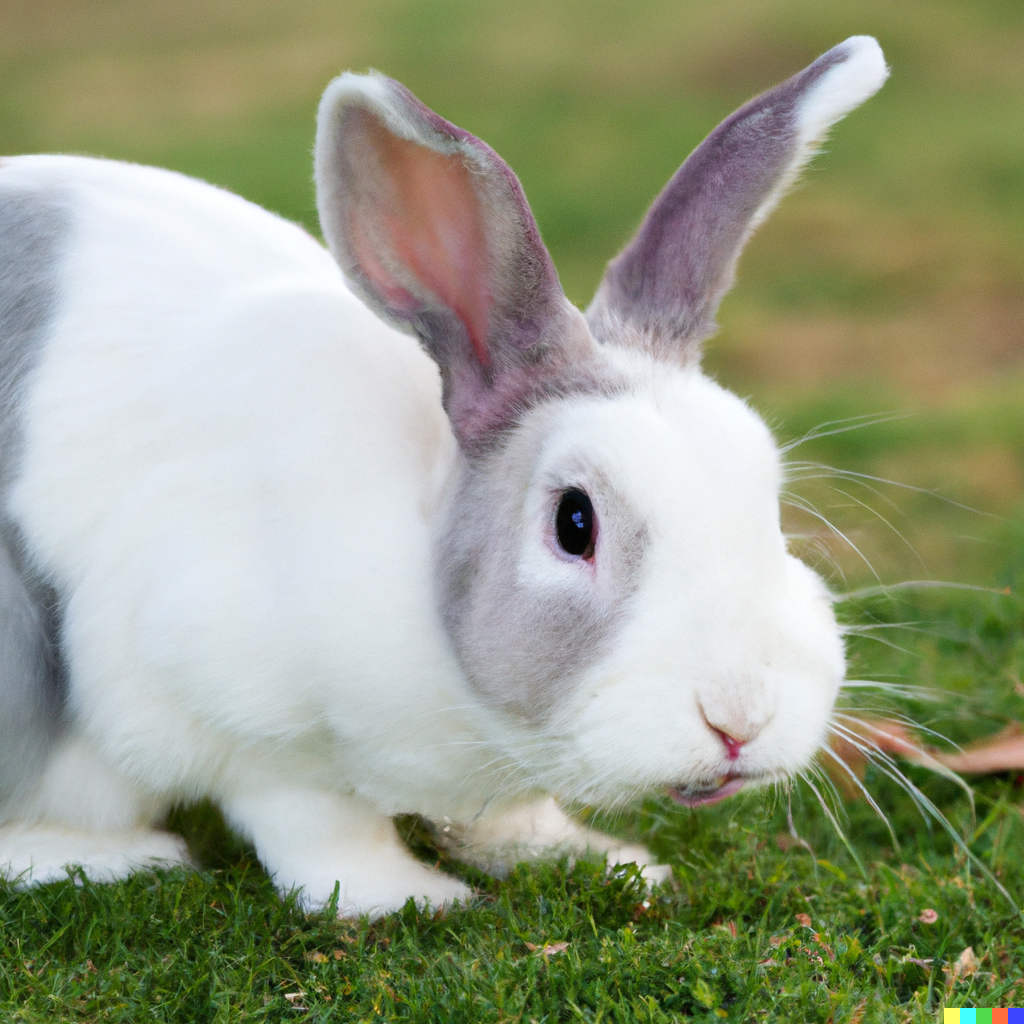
(800, 503)
(884, 589)
(864, 790)
(854, 475)
(906, 720)
(875, 512)
(897, 689)
(844, 426)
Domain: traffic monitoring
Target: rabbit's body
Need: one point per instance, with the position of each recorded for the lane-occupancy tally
(260, 552)
(251, 396)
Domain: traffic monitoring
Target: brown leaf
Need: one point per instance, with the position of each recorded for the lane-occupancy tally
(555, 947)
(804, 919)
(998, 753)
(315, 957)
(1001, 752)
(965, 965)
(549, 950)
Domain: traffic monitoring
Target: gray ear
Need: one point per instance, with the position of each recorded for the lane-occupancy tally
(433, 230)
(664, 289)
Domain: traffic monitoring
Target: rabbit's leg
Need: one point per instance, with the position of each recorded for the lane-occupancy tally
(313, 840)
(82, 813)
(540, 829)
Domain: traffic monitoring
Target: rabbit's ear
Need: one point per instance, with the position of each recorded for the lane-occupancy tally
(663, 290)
(433, 230)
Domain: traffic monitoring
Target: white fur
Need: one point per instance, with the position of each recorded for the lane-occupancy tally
(842, 88)
(233, 471)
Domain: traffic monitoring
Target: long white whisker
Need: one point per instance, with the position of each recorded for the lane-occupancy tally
(854, 475)
(798, 502)
(851, 423)
(882, 590)
(875, 512)
(867, 796)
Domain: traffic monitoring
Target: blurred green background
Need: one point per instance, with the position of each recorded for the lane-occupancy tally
(891, 281)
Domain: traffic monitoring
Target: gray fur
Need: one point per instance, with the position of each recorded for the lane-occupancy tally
(525, 648)
(664, 288)
(32, 229)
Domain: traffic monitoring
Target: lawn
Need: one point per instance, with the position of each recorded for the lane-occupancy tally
(886, 296)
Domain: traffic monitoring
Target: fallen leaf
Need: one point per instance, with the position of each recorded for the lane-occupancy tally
(555, 947)
(338, 954)
(1003, 751)
(965, 965)
(804, 919)
(315, 957)
(549, 950)
(928, 916)
(294, 997)
(998, 753)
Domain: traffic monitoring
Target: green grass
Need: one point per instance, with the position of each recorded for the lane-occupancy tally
(219, 945)
(891, 281)
(724, 941)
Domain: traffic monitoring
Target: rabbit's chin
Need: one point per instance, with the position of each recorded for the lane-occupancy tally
(698, 795)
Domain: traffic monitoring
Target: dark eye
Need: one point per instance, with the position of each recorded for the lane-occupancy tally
(574, 524)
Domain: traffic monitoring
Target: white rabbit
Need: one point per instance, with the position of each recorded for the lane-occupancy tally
(256, 548)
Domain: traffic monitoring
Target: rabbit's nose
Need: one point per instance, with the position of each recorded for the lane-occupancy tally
(734, 733)
(732, 744)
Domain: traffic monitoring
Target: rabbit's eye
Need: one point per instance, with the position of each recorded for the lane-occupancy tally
(574, 524)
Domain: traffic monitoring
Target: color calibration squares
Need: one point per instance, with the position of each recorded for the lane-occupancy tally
(965, 1015)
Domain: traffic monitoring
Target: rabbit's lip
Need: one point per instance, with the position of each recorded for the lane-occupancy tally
(698, 796)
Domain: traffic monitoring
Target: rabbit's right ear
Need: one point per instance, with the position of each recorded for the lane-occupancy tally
(432, 229)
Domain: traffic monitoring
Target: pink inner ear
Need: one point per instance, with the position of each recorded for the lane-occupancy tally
(435, 228)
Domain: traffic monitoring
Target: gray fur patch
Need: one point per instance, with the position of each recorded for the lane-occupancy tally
(32, 228)
(523, 644)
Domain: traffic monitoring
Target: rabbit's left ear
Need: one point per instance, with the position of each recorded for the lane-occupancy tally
(432, 228)
(663, 290)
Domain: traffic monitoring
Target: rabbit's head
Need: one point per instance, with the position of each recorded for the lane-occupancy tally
(610, 566)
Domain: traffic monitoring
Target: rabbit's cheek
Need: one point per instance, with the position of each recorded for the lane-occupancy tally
(527, 628)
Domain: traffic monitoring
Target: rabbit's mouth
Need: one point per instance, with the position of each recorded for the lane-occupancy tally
(697, 796)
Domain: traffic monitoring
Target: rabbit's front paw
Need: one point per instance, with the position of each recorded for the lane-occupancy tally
(320, 843)
(541, 830)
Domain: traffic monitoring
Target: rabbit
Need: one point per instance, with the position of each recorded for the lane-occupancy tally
(260, 546)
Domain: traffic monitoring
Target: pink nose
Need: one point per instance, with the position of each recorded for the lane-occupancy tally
(732, 745)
